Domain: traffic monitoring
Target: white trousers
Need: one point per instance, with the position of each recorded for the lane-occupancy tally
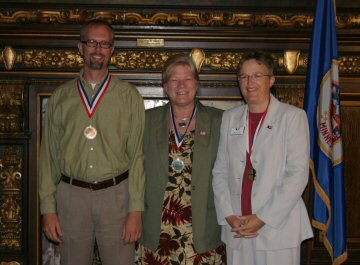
(248, 255)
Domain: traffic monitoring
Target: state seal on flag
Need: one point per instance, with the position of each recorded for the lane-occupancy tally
(329, 116)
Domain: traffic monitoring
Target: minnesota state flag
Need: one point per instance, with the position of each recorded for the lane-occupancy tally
(322, 104)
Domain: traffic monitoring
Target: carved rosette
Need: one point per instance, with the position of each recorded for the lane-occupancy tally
(10, 198)
(349, 64)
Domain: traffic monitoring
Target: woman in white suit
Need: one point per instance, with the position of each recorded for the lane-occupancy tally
(261, 171)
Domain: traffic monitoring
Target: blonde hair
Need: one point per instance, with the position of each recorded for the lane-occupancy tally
(176, 60)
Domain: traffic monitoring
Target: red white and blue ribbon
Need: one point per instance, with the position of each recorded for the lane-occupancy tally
(92, 105)
(180, 139)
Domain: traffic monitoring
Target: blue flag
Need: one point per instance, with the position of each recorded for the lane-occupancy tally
(322, 104)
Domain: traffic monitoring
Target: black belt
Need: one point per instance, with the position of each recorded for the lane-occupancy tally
(96, 185)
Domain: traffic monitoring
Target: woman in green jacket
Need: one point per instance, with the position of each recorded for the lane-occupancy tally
(180, 145)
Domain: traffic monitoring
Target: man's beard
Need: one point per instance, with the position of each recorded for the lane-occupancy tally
(96, 65)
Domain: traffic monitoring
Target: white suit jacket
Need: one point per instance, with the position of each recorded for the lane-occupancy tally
(281, 160)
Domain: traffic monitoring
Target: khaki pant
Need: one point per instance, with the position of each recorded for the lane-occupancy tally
(85, 215)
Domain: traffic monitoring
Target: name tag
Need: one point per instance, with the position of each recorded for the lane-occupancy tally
(237, 131)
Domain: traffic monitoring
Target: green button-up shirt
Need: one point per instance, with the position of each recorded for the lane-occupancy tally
(118, 146)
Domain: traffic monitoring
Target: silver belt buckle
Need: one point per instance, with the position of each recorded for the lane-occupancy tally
(93, 184)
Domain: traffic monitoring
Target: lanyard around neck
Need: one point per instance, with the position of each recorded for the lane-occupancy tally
(180, 139)
(249, 145)
(92, 105)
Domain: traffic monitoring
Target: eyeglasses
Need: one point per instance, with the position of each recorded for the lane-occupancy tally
(243, 78)
(93, 43)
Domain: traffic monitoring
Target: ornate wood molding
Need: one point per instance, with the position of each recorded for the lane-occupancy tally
(291, 93)
(12, 108)
(193, 18)
(10, 198)
(289, 61)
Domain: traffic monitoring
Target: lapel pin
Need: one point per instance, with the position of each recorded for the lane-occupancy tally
(269, 127)
(203, 133)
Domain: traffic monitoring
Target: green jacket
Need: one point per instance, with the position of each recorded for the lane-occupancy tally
(206, 231)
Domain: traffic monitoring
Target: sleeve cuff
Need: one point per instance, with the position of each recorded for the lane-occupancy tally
(136, 205)
(47, 208)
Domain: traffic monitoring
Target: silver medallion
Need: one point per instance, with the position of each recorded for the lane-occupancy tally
(177, 165)
(182, 124)
(90, 132)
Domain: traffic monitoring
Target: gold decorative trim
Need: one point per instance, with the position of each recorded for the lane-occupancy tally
(51, 59)
(349, 64)
(227, 61)
(11, 108)
(11, 263)
(291, 93)
(10, 198)
(347, 21)
(9, 57)
(193, 18)
(198, 56)
(290, 60)
(146, 60)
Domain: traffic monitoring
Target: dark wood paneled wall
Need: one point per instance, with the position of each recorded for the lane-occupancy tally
(38, 51)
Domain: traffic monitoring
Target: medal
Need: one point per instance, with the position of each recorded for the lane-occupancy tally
(182, 122)
(177, 165)
(251, 141)
(252, 173)
(178, 138)
(90, 132)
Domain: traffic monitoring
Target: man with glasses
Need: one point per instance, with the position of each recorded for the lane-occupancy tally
(261, 171)
(91, 176)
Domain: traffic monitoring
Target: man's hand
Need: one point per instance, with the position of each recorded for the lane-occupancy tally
(51, 227)
(250, 225)
(133, 227)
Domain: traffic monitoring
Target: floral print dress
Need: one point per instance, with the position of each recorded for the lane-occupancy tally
(176, 239)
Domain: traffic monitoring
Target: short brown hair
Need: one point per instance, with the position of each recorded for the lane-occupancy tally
(175, 60)
(260, 57)
(92, 23)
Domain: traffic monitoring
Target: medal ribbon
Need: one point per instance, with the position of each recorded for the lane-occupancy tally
(180, 139)
(91, 106)
(250, 145)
